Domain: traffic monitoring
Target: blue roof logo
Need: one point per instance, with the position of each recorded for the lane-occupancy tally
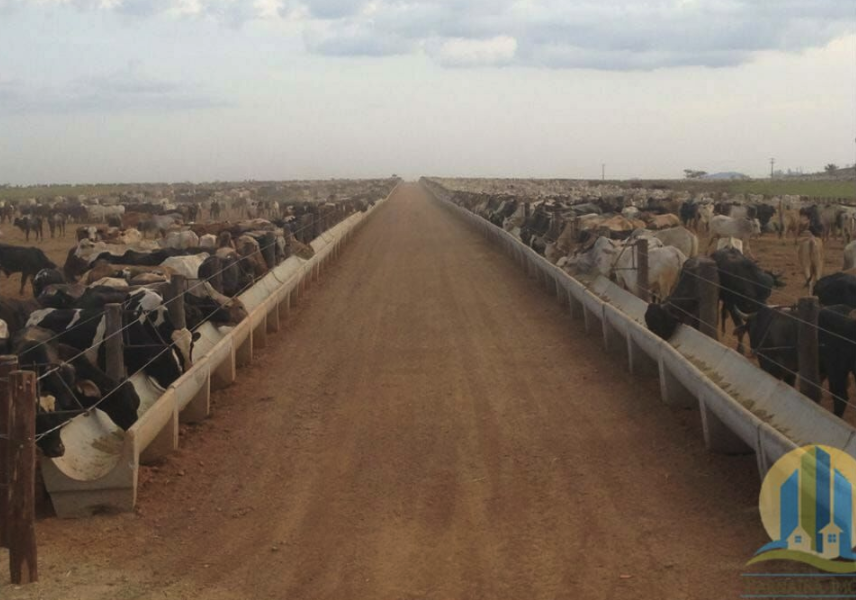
(806, 506)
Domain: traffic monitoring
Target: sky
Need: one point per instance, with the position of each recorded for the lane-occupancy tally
(203, 90)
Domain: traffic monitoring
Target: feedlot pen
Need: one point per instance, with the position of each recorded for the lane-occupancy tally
(429, 424)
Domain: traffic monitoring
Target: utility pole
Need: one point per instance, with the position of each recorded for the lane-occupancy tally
(772, 164)
(603, 171)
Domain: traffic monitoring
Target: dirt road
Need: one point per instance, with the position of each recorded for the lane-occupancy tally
(428, 425)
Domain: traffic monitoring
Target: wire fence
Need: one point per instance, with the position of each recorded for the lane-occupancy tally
(166, 346)
(768, 354)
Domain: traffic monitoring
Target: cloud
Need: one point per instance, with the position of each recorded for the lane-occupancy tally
(354, 39)
(462, 52)
(129, 90)
(607, 34)
(602, 34)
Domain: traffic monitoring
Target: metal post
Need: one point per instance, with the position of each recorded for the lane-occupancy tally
(23, 563)
(8, 363)
(807, 347)
(707, 289)
(115, 342)
(642, 285)
(176, 289)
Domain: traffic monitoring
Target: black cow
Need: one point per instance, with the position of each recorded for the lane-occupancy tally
(148, 332)
(26, 261)
(743, 288)
(234, 277)
(61, 295)
(689, 214)
(16, 312)
(764, 212)
(812, 215)
(30, 223)
(773, 338)
(837, 288)
(76, 266)
(69, 384)
(37, 352)
(44, 278)
(535, 228)
(118, 399)
(145, 259)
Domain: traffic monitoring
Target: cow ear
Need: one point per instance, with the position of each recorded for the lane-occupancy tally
(88, 389)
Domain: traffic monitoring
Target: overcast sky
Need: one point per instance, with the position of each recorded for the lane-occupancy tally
(172, 90)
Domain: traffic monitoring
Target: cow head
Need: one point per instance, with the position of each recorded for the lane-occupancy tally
(661, 321)
(44, 278)
(777, 279)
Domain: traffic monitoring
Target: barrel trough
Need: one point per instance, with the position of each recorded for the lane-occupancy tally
(100, 468)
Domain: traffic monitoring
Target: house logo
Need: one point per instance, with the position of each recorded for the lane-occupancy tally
(807, 509)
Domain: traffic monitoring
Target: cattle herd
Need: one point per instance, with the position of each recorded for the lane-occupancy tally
(126, 251)
(591, 229)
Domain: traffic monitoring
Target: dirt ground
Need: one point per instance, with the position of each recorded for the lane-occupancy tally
(429, 424)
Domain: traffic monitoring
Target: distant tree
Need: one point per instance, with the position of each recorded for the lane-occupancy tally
(693, 174)
(830, 168)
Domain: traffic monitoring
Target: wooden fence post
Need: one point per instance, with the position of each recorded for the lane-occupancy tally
(216, 279)
(807, 347)
(269, 253)
(316, 221)
(115, 342)
(23, 563)
(707, 288)
(643, 286)
(177, 288)
(8, 363)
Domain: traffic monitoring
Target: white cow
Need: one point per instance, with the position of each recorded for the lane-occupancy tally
(705, 214)
(742, 229)
(98, 212)
(619, 260)
(180, 240)
(678, 237)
